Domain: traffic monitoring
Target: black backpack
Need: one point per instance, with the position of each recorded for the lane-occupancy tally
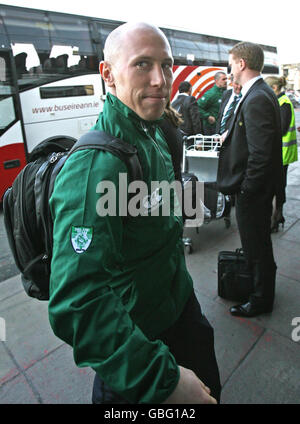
(26, 209)
(27, 217)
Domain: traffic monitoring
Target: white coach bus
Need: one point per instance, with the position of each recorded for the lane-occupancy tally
(49, 79)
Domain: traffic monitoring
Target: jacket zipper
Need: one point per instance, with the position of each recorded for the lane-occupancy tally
(146, 131)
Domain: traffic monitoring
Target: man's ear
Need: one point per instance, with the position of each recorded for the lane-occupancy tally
(106, 73)
(242, 64)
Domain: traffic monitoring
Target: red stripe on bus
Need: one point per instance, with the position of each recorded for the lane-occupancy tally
(186, 72)
(199, 92)
(181, 77)
(202, 73)
(11, 152)
(202, 92)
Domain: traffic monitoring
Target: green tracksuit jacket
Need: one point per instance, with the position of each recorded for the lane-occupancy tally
(129, 282)
(209, 104)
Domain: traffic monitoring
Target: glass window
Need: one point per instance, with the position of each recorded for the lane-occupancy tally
(48, 46)
(3, 38)
(70, 31)
(203, 48)
(105, 28)
(7, 110)
(7, 107)
(26, 26)
(2, 69)
(66, 91)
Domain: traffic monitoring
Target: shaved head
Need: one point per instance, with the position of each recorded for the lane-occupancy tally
(117, 38)
(138, 68)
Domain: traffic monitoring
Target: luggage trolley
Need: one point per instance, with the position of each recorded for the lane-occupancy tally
(200, 160)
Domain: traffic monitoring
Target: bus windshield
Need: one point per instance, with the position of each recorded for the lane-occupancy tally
(7, 108)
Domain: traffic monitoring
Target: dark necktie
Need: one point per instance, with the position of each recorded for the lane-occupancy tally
(229, 112)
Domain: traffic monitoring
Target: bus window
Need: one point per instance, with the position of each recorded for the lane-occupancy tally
(48, 47)
(35, 67)
(66, 59)
(12, 148)
(26, 59)
(66, 91)
(2, 70)
(105, 28)
(7, 110)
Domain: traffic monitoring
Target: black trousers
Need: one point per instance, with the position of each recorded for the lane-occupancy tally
(191, 341)
(253, 213)
(281, 196)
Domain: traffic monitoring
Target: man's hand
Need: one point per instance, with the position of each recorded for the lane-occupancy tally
(211, 119)
(223, 136)
(190, 389)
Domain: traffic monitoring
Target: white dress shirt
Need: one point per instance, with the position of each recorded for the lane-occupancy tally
(229, 102)
(246, 87)
(244, 91)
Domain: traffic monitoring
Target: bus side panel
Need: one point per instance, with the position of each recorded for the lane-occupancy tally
(13, 157)
(70, 128)
(61, 115)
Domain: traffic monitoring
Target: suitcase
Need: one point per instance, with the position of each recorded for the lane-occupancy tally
(235, 281)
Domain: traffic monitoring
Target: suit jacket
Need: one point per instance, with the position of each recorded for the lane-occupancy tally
(225, 99)
(251, 155)
(188, 108)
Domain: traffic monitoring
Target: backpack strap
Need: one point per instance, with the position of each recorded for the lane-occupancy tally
(101, 140)
(174, 140)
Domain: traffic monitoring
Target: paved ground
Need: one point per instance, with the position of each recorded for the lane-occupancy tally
(258, 358)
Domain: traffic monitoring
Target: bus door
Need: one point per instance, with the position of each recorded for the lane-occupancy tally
(12, 143)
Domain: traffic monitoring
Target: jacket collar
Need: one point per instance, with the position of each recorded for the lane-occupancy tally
(246, 87)
(128, 113)
(122, 122)
(256, 83)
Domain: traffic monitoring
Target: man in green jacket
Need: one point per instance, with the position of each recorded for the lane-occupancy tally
(124, 301)
(209, 104)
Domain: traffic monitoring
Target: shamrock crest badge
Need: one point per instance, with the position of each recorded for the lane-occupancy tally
(81, 238)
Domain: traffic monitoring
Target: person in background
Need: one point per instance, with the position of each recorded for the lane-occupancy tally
(186, 105)
(209, 103)
(289, 143)
(230, 100)
(250, 166)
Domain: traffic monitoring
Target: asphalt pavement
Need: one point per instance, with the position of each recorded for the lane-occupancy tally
(258, 357)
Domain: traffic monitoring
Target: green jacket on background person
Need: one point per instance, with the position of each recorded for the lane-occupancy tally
(209, 104)
(130, 282)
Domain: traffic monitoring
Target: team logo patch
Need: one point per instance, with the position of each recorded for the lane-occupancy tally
(81, 238)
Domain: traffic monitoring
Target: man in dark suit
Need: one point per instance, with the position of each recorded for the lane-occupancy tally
(186, 105)
(250, 166)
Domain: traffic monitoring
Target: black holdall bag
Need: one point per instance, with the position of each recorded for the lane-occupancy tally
(235, 281)
(27, 217)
